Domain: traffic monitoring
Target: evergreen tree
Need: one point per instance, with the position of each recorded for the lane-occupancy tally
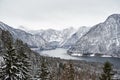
(22, 60)
(107, 72)
(15, 65)
(71, 71)
(44, 72)
(68, 72)
(10, 68)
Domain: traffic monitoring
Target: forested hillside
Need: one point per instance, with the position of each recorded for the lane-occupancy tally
(18, 62)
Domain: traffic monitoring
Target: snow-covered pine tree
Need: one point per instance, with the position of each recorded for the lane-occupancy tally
(23, 61)
(44, 72)
(10, 67)
(16, 65)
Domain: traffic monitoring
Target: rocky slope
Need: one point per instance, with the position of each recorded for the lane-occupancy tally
(31, 40)
(103, 38)
(55, 38)
(75, 37)
(49, 34)
(43, 39)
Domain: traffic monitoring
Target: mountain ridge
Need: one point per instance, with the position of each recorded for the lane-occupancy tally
(28, 38)
(102, 38)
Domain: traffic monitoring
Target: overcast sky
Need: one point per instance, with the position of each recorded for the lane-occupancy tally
(57, 14)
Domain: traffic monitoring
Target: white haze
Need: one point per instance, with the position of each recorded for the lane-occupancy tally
(56, 14)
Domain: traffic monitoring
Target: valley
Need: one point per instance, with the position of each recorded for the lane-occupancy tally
(87, 48)
(59, 40)
(62, 54)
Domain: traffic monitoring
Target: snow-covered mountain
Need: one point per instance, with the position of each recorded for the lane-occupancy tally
(31, 40)
(103, 38)
(44, 39)
(75, 37)
(55, 38)
(49, 34)
(66, 34)
(23, 28)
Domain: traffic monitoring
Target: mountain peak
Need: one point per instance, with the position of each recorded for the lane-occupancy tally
(102, 38)
(114, 16)
(23, 28)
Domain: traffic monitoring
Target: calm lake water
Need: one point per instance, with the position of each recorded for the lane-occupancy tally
(61, 53)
